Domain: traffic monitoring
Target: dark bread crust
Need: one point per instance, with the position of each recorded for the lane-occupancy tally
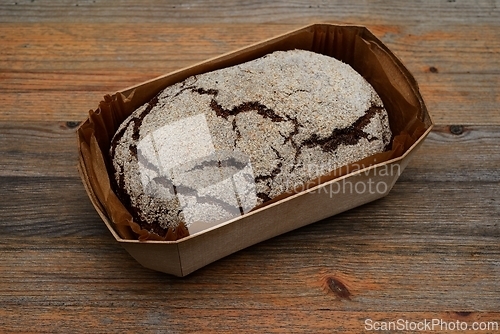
(295, 139)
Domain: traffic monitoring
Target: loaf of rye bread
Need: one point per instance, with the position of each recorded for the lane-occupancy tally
(218, 144)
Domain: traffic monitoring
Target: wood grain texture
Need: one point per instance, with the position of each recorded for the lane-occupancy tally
(429, 250)
(38, 149)
(256, 12)
(395, 259)
(60, 71)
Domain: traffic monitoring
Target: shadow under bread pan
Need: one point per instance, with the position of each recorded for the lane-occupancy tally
(408, 117)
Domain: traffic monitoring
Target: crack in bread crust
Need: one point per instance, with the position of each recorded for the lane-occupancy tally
(350, 135)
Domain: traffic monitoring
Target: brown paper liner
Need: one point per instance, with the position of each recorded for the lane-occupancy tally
(355, 46)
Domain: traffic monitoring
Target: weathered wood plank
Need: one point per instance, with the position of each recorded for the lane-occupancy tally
(457, 153)
(396, 262)
(49, 149)
(254, 12)
(429, 250)
(397, 274)
(60, 71)
(38, 149)
(48, 206)
(467, 209)
(158, 318)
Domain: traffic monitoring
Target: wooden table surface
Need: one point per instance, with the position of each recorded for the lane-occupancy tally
(429, 250)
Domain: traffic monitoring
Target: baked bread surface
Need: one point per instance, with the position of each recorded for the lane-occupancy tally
(218, 144)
